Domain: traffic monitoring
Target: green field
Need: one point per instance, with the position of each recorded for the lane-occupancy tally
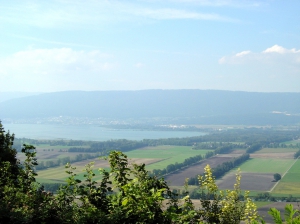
(293, 142)
(263, 165)
(290, 183)
(285, 188)
(291, 178)
(262, 203)
(295, 168)
(167, 154)
(58, 174)
(276, 150)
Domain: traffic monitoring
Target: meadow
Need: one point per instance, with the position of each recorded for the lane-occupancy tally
(59, 175)
(264, 165)
(157, 157)
(277, 150)
(290, 182)
(166, 154)
(257, 172)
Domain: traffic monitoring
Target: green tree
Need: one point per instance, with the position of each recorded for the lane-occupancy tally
(224, 206)
(291, 215)
(277, 177)
(7, 152)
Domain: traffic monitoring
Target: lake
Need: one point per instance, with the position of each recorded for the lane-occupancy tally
(89, 132)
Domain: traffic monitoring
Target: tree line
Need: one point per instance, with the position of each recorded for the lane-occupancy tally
(63, 161)
(220, 170)
(212, 140)
(177, 166)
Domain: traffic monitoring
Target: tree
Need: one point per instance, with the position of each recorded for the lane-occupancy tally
(7, 152)
(224, 206)
(9, 164)
(291, 215)
(277, 177)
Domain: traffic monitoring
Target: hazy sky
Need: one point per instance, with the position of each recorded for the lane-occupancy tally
(150, 44)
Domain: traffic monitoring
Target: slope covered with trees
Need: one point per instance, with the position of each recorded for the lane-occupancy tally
(182, 106)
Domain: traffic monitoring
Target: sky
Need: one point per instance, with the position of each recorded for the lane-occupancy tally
(238, 45)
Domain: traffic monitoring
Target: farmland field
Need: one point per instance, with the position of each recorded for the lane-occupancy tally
(290, 182)
(249, 181)
(154, 158)
(58, 175)
(166, 153)
(287, 188)
(47, 152)
(257, 172)
(177, 178)
(276, 150)
(296, 167)
(265, 165)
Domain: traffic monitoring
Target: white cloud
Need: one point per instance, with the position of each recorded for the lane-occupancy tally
(273, 55)
(49, 66)
(281, 50)
(242, 53)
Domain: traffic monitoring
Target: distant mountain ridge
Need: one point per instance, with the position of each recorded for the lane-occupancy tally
(13, 95)
(203, 106)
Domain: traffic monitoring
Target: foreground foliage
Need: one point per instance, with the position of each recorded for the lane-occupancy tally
(125, 194)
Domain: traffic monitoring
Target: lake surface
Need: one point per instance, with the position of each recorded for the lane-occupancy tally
(89, 132)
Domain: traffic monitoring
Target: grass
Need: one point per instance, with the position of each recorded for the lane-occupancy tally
(58, 174)
(291, 178)
(290, 183)
(263, 165)
(295, 168)
(168, 154)
(262, 203)
(286, 189)
(276, 150)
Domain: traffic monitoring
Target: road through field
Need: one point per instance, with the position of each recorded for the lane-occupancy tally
(283, 175)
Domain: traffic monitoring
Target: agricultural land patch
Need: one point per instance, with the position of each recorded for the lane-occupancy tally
(266, 165)
(249, 181)
(177, 178)
(290, 182)
(165, 155)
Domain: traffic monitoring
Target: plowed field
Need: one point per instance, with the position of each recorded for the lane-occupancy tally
(178, 178)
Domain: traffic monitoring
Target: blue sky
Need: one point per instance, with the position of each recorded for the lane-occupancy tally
(62, 45)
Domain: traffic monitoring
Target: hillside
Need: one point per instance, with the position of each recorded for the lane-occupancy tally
(183, 106)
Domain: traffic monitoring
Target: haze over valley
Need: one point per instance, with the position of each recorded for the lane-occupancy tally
(149, 111)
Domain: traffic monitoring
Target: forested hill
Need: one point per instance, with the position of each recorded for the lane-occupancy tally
(200, 106)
